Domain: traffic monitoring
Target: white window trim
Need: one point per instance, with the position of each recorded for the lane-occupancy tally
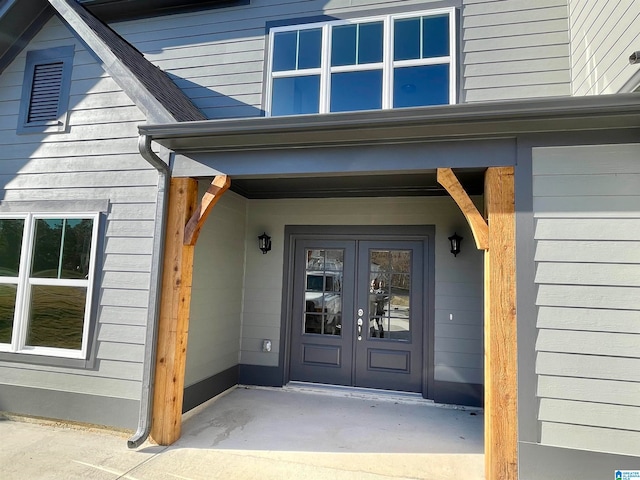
(24, 283)
(387, 65)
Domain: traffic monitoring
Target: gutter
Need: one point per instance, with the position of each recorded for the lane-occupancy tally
(151, 339)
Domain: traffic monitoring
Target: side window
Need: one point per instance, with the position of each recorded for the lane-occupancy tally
(45, 90)
(46, 276)
(394, 61)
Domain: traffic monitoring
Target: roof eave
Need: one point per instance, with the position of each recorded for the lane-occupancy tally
(506, 118)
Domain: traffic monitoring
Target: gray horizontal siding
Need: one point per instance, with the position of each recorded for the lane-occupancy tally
(514, 49)
(97, 160)
(510, 49)
(589, 390)
(603, 35)
(621, 442)
(587, 279)
(217, 57)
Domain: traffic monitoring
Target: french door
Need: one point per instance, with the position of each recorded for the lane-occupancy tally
(358, 314)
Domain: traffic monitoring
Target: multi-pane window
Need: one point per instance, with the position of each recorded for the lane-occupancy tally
(376, 63)
(46, 276)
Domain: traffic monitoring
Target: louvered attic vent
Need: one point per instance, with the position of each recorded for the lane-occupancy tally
(45, 92)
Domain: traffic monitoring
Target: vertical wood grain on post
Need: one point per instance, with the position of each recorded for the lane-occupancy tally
(173, 325)
(500, 371)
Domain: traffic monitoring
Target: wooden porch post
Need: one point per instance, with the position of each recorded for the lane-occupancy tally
(500, 341)
(184, 222)
(173, 325)
(497, 238)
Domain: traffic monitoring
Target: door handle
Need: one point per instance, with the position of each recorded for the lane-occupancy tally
(359, 326)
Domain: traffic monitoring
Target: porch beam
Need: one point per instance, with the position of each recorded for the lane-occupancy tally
(500, 347)
(173, 326)
(479, 228)
(219, 185)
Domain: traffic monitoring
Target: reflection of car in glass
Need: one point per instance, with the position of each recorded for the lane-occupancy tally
(323, 297)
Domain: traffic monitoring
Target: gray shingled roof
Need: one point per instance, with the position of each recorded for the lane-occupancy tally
(147, 85)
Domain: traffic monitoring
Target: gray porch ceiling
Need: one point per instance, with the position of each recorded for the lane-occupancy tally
(389, 185)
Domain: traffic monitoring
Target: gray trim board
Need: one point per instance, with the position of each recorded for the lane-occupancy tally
(76, 407)
(54, 206)
(361, 159)
(260, 375)
(540, 462)
(206, 389)
(528, 428)
(469, 394)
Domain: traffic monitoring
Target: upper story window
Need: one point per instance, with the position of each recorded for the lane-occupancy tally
(47, 267)
(45, 90)
(375, 63)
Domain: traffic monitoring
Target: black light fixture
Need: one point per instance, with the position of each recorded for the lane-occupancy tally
(264, 242)
(455, 241)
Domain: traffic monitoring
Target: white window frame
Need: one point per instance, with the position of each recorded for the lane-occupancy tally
(387, 65)
(24, 282)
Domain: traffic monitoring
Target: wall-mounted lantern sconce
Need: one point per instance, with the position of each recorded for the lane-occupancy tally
(264, 242)
(455, 241)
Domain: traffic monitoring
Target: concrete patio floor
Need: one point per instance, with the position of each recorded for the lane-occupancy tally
(297, 432)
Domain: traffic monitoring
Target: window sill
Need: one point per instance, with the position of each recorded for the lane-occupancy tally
(46, 360)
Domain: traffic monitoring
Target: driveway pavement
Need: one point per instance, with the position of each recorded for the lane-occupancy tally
(253, 433)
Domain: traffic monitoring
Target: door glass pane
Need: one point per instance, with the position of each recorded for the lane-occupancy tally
(56, 316)
(399, 304)
(296, 95)
(421, 86)
(323, 292)
(351, 91)
(7, 309)
(389, 294)
(10, 246)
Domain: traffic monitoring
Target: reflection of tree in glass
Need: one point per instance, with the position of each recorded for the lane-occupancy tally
(396, 261)
(10, 246)
(74, 247)
(7, 308)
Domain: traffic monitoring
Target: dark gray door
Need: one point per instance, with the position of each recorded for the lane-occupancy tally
(358, 313)
(389, 316)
